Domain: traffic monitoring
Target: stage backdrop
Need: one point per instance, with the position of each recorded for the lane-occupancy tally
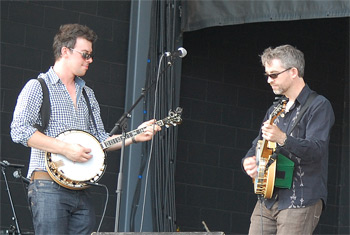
(208, 13)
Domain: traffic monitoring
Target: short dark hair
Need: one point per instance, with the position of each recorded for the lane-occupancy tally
(67, 36)
(288, 55)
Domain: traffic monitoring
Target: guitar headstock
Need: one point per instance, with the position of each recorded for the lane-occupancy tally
(174, 117)
(279, 108)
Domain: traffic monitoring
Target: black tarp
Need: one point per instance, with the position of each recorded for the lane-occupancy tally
(198, 14)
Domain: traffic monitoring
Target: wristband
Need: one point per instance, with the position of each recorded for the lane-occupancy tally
(134, 140)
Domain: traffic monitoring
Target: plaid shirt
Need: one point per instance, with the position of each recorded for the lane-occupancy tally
(64, 115)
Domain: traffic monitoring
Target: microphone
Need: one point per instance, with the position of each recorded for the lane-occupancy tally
(181, 52)
(7, 164)
(18, 175)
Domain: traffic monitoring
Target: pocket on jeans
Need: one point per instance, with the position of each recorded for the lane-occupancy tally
(44, 186)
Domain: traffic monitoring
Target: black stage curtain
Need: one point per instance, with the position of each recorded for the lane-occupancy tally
(198, 14)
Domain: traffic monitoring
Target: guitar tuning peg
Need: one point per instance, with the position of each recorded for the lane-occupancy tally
(171, 113)
(178, 110)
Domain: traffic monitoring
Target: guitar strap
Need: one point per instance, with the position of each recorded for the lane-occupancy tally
(310, 98)
(45, 109)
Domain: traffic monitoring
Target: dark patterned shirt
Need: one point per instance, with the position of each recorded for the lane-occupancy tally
(307, 147)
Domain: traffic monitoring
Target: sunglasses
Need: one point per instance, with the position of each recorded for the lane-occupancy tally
(275, 75)
(85, 55)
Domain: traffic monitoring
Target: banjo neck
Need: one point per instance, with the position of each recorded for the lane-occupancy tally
(108, 143)
(173, 119)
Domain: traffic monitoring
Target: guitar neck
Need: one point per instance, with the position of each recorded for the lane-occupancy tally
(264, 141)
(108, 143)
(275, 113)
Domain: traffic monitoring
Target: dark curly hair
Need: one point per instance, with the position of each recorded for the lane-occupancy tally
(67, 36)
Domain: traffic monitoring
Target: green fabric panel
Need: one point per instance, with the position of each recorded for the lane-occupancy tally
(284, 172)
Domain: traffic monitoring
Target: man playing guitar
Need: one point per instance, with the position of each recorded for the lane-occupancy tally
(303, 140)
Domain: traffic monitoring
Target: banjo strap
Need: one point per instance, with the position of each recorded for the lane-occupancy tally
(89, 107)
(45, 109)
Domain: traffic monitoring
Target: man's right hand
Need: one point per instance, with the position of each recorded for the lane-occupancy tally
(77, 153)
(74, 152)
(249, 165)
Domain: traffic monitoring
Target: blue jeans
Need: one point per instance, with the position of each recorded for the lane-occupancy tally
(57, 210)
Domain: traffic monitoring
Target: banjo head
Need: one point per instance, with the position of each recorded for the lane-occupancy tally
(74, 175)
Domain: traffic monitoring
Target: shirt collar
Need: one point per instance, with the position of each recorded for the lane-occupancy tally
(53, 78)
(302, 97)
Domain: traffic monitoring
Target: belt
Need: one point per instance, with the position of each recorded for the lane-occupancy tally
(40, 175)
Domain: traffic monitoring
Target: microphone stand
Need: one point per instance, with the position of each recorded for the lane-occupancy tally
(122, 124)
(3, 167)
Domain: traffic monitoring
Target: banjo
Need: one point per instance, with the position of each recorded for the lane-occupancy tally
(78, 175)
(264, 182)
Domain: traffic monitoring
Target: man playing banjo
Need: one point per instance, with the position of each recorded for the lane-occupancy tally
(56, 209)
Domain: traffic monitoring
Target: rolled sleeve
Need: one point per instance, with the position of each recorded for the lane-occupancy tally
(26, 113)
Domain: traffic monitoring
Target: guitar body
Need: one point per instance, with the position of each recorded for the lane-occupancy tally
(74, 175)
(264, 182)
